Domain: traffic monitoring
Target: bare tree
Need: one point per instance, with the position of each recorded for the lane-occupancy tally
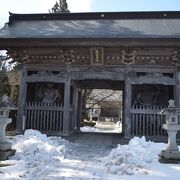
(85, 97)
(99, 96)
(108, 98)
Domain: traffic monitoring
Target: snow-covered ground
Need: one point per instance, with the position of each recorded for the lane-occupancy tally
(39, 157)
(105, 127)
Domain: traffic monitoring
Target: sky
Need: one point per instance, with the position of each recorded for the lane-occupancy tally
(42, 6)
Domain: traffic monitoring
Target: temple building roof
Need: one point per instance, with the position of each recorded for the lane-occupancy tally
(93, 25)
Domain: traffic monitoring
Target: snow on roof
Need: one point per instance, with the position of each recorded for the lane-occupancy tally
(94, 25)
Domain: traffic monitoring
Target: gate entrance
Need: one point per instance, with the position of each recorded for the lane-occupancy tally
(101, 106)
(142, 63)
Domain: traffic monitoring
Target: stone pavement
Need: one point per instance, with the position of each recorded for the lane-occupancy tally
(90, 138)
(100, 139)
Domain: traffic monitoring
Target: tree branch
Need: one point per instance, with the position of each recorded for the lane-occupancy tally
(100, 101)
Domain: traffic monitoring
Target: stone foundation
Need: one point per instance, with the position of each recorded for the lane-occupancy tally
(4, 155)
(170, 157)
(5, 151)
(5, 146)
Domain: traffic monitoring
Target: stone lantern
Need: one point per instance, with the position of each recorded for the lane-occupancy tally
(5, 147)
(171, 154)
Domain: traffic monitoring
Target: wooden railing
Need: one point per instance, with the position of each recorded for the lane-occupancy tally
(145, 120)
(44, 117)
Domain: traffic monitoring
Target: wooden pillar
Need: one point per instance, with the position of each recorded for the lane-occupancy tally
(78, 122)
(22, 100)
(67, 124)
(123, 111)
(75, 107)
(127, 104)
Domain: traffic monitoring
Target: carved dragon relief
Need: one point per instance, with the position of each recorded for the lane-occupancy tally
(48, 74)
(98, 71)
(153, 76)
(77, 74)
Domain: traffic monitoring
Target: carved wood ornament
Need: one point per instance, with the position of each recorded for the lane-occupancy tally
(128, 56)
(97, 56)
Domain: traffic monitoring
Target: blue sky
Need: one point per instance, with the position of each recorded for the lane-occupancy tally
(135, 5)
(42, 6)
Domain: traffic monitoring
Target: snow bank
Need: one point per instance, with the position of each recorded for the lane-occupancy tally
(33, 146)
(40, 157)
(89, 129)
(35, 152)
(132, 158)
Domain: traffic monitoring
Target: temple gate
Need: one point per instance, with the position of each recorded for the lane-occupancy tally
(59, 52)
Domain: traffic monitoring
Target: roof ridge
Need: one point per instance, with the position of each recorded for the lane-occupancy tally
(96, 15)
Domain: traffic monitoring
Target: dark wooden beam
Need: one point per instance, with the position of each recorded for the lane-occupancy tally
(95, 15)
(6, 43)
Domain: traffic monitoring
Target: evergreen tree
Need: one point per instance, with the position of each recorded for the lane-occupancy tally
(4, 86)
(60, 7)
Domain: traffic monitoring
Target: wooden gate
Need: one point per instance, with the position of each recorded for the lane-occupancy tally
(145, 120)
(44, 117)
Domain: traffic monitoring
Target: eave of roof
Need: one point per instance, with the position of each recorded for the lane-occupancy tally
(95, 15)
(162, 26)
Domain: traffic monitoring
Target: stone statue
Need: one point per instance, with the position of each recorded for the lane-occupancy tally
(146, 96)
(50, 94)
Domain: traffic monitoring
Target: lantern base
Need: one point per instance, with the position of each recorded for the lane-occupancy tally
(4, 155)
(172, 157)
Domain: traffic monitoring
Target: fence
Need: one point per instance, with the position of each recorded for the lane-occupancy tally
(44, 117)
(145, 120)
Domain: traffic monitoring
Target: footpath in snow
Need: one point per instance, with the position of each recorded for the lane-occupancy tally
(105, 127)
(39, 157)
